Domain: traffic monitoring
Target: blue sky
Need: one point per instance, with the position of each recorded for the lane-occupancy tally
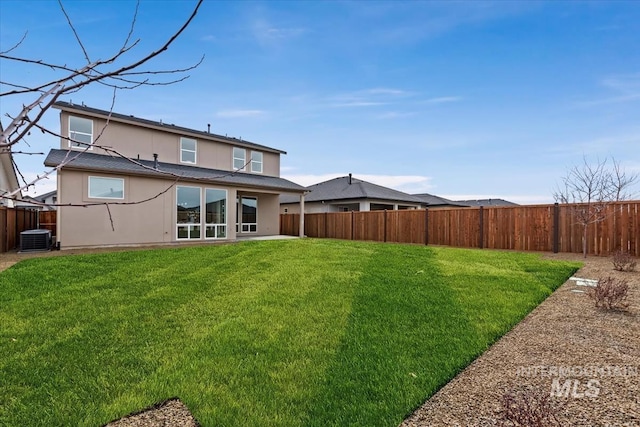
(459, 99)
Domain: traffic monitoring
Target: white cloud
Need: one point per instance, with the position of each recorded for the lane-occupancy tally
(443, 99)
(268, 34)
(626, 87)
(368, 97)
(234, 114)
(41, 187)
(359, 104)
(395, 115)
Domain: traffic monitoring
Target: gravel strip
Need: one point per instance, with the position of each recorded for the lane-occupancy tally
(565, 332)
(169, 413)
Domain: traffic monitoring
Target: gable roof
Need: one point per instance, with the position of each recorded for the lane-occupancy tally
(120, 165)
(151, 124)
(349, 188)
(487, 202)
(432, 200)
(43, 197)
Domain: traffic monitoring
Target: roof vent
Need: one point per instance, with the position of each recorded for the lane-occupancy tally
(349, 179)
(35, 240)
(208, 127)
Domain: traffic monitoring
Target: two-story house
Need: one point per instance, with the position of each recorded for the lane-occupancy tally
(132, 181)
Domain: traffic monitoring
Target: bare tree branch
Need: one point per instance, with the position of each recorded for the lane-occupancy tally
(75, 33)
(15, 46)
(81, 77)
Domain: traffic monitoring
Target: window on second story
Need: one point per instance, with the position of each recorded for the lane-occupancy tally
(239, 158)
(80, 132)
(188, 148)
(256, 162)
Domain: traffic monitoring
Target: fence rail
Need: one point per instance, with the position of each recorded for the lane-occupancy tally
(550, 228)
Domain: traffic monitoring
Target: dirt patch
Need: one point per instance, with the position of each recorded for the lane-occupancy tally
(564, 339)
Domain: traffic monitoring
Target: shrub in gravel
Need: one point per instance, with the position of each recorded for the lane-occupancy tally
(623, 261)
(610, 293)
(530, 408)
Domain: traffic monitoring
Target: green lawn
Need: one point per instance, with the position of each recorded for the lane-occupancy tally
(272, 333)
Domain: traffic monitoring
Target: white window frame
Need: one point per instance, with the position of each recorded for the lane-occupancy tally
(243, 159)
(185, 150)
(219, 228)
(190, 226)
(80, 145)
(248, 227)
(255, 163)
(104, 177)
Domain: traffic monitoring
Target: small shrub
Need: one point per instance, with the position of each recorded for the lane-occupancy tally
(530, 408)
(622, 261)
(610, 293)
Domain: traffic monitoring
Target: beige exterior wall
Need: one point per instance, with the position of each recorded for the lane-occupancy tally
(148, 223)
(135, 141)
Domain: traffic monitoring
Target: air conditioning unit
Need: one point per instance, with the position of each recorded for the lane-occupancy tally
(35, 240)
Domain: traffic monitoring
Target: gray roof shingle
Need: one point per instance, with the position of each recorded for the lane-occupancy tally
(432, 200)
(341, 189)
(113, 164)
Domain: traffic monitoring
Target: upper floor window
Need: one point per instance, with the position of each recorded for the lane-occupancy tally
(188, 150)
(256, 162)
(106, 188)
(239, 158)
(80, 132)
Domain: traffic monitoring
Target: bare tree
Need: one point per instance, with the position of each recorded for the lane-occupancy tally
(590, 188)
(114, 72)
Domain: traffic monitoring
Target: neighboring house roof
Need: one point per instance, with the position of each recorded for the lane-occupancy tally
(349, 188)
(432, 200)
(67, 106)
(487, 202)
(119, 165)
(43, 197)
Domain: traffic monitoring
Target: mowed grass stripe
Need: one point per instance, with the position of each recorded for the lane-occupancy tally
(282, 333)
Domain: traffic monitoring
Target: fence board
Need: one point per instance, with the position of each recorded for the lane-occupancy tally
(523, 228)
(47, 221)
(13, 221)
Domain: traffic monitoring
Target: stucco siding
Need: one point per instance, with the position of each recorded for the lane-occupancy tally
(139, 142)
(148, 223)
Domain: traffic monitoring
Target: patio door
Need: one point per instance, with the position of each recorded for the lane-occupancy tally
(247, 215)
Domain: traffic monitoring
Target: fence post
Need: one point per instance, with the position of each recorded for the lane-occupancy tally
(324, 236)
(426, 226)
(353, 225)
(384, 239)
(481, 227)
(556, 225)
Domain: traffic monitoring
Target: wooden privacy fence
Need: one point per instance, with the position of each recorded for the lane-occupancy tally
(48, 221)
(13, 221)
(523, 228)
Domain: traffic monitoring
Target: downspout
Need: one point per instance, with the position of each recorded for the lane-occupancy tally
(301, 233)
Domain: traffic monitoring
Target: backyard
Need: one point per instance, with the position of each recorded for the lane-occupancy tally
(282, 333)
